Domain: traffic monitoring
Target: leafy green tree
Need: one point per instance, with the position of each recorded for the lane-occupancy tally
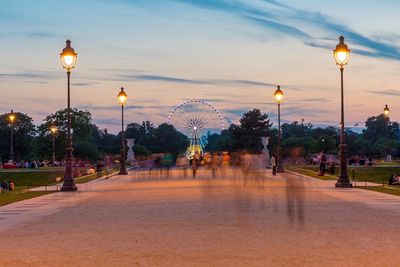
(219, 142)
(23, 133)
(165, 138)
(381, 133)
(107, 143)
(253, 125)
(83, 136)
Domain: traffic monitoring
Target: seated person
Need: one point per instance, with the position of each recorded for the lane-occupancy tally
(394, 179)
(76, 173)
(91, 170)
(11, 185)
(4, 186)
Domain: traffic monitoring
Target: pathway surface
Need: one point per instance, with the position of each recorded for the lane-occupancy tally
(286, 220)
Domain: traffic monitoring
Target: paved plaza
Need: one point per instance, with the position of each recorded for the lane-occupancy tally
(139, 220)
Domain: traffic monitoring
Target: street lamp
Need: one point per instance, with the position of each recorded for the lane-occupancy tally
(53, 130)
(341, 54)
(11, 117)
(68, 59)
(122, 97)
(386, 112)
(279, 98)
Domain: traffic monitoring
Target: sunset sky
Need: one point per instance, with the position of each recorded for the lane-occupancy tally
(229, 53)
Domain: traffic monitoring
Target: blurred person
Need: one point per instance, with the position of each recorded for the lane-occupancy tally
(226, 160)
(166, 162)
(195, 162)
(215, 162)
(245, 164)
(273, 163)
(182, 162)
(322, 163)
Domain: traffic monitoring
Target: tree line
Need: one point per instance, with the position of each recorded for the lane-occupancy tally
(299, 139)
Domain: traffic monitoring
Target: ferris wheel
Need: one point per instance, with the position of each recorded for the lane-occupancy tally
(196, 119)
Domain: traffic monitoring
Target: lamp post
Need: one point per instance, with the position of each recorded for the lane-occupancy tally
(386, 112)
(53, 130)
(279, 98)
(341, 54)
(122, 97)
(68, 59)
(12, 118)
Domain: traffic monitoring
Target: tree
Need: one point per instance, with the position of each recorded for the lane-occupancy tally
(381, 133)
(23, 133)
(253, 125)
(219, 142)
(107, 143)
(165, 138)
(83, 136)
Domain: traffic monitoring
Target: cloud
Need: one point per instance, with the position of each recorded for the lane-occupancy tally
(289, 20)
(167, 79)
(31, 75)
(387, 92)
(83, 84)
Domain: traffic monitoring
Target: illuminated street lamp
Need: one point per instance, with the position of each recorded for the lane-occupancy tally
(122, 97)
(279, 98)
(68, 59)
(11, 117)
(342, 54)
(386, 112)
(53, 130)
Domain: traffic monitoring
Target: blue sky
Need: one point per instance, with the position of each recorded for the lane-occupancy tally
(230, 53)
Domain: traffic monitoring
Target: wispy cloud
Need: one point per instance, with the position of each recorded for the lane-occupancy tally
(387, 92)
(287, 20)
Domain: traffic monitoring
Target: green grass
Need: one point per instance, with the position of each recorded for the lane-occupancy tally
(15, 196)
(310, 171)
(387, 190)
(25, 179)
(31, 178)
(375, 174)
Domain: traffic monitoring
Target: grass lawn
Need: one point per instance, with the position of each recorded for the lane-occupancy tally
(388, 190)
(374, 174)
(31, 178)
(25, 179)
(18, 195)
(309, 171)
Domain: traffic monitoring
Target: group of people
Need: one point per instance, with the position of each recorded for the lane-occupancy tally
(7, 186)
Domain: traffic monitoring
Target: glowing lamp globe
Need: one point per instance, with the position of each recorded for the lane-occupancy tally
(53, 129)
(12, 116)
(341, 53)
(68, 57)
(278, 95)
(386, 110)
(122, 97)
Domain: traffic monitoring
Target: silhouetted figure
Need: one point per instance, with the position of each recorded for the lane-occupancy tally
(195, 162)
(273, 163)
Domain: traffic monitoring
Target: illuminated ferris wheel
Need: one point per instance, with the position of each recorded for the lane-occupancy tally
(196, 119)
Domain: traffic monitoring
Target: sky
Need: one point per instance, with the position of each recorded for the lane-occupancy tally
(231, 54)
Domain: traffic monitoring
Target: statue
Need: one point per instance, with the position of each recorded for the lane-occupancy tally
(264, 142)
(131, 155)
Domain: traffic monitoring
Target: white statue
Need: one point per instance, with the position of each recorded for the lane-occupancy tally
(131, 155)
(264, 142)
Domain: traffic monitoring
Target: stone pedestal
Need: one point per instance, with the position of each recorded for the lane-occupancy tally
(267, 158)
(130, 159)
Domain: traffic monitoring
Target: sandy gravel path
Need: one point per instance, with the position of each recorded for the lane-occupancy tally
(281, 221)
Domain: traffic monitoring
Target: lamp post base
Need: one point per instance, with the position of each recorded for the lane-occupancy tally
(69, 186)
(343, 183)
(279, 169)
(122, 172)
